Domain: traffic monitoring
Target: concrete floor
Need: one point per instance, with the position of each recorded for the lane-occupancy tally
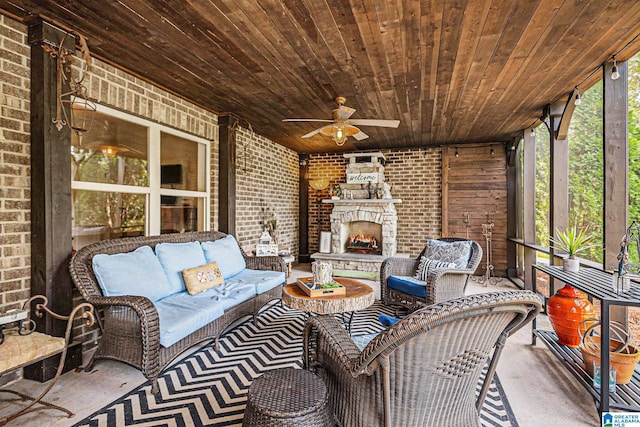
(539, 389)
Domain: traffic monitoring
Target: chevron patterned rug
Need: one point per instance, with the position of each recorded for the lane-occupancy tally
(210, 389)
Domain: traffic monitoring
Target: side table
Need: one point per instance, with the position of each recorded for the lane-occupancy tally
(20, 350)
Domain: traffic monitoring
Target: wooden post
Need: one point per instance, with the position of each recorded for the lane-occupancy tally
(559, 186)
(227, 174)
(616, 170)
(303, 209)
(616, 162)
(529, 204)
(51, 209)
(446, 164)
(512, 207)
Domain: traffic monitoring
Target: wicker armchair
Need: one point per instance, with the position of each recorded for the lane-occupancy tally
(130, 324)
(442, 285)
(423, 370)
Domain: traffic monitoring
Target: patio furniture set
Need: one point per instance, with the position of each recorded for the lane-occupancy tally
(160, 295)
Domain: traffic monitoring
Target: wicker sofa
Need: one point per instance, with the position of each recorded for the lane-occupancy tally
(130, 324)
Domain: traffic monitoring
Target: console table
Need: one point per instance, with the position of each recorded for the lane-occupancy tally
(25, 347)
(597, 284)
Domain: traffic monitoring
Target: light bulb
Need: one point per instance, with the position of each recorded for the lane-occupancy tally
(457, 154)
(339, 135)
(578, 100)
(493, 153)
(615, 75)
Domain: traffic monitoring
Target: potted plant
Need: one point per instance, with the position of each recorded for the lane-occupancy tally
(572, 241)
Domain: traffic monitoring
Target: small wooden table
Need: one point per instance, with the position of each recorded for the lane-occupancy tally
(358, 297)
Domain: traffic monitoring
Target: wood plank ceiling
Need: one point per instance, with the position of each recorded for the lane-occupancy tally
(452, 71)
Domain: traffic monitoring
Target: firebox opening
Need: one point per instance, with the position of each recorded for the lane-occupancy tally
(362, 237)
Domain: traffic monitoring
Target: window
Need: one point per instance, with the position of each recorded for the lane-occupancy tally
(134, 177)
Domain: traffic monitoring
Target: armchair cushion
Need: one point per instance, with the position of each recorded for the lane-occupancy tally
(428, 264)
(227, 253)
(408, 285)
(457, 252)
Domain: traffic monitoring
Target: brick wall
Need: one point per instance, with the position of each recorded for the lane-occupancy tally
(15, 197)
(267, 177)
(414, 176)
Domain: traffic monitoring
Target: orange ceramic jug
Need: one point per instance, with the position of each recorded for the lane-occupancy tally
(567, 309)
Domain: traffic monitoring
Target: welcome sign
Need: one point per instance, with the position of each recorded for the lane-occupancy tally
(362, 178)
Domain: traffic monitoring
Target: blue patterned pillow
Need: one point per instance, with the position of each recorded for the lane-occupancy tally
(456, 252)
(427, 264)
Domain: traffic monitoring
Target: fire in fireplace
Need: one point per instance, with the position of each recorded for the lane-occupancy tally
(363, 237)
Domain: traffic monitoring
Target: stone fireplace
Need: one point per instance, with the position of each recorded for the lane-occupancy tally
(372, 223)
(364, 220)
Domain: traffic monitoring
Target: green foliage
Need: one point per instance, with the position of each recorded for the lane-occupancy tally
(572, 241)
(634, 147)
(543, 177)
(586, 169)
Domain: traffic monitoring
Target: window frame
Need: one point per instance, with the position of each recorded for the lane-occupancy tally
(154, 191)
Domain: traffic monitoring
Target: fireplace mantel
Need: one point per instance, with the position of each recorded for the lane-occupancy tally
(361, 201)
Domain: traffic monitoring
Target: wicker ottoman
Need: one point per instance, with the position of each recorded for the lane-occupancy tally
(288, 397)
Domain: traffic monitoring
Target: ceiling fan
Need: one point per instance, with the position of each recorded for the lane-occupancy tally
(341, 126)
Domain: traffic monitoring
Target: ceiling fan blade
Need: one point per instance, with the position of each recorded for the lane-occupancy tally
(360, 136)
(308, 120)
(343, 113)
(315, 132)
(376, 122)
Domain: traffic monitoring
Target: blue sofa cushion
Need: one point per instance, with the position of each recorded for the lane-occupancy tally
(457, 252)
(408, 285)
(231, 294)
(133, 273)
(175, 257)
(263, 280)
(181, 314)
(227, 253)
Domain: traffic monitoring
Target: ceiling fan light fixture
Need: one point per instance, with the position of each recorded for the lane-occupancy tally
(339, 135)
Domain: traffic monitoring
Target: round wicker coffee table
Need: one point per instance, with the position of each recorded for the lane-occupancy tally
(288, 397)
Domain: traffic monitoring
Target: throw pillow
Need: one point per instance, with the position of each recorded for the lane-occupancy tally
(133, 273)
(176, 257)
(201, 278)
(457, 252)
(227, 253)
(427, 265)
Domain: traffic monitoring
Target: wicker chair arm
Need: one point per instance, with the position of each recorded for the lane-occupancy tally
(147, 313)
(395, 266)
(444, 284)
(324, 338)
(273, 263)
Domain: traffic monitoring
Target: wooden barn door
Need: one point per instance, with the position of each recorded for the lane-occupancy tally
(474, 192)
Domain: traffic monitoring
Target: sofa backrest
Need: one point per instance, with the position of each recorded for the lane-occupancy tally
(81, 269)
